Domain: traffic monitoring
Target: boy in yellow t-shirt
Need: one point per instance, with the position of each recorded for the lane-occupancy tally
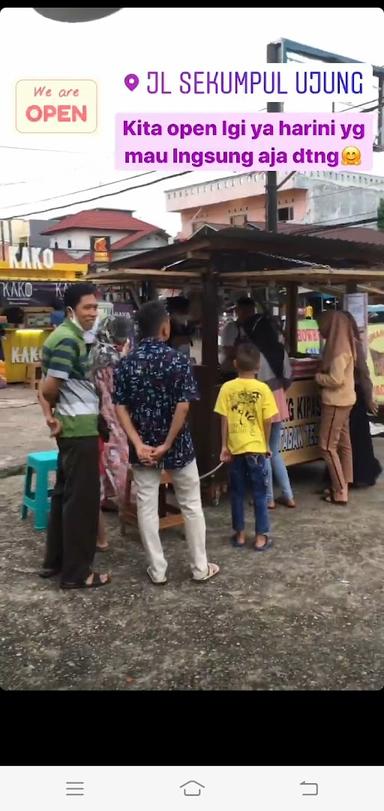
(246, 406)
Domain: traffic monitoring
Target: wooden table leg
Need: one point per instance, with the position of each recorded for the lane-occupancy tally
(162, 501)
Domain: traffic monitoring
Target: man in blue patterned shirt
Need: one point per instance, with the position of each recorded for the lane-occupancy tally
(154, 387)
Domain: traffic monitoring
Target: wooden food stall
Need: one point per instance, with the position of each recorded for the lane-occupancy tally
(241, 260)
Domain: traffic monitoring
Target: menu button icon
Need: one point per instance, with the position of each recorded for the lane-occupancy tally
(74, 788)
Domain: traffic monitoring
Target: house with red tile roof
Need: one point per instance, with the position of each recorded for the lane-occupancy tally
(72, 236)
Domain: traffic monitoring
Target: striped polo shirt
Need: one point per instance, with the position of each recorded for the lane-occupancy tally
(65, 357)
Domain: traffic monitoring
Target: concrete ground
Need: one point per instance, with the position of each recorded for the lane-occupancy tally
(22, 428)
(304, 616)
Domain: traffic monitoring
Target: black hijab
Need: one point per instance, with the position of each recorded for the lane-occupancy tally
(262, 333)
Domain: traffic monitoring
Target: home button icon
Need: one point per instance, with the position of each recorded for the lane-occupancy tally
(192, 788)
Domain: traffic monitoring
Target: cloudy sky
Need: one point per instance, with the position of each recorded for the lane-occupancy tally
(36, 167)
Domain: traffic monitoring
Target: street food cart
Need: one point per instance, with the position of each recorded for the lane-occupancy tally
(30, 284)
(242, 260)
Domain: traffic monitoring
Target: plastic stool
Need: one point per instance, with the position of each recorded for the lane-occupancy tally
(42, 463)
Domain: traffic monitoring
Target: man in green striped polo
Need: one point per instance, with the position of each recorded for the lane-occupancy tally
(71, 407)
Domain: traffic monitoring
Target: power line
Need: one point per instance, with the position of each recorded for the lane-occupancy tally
(39, 149)
(100, 196)
(69, 170)
(355, 106)
(80, 191)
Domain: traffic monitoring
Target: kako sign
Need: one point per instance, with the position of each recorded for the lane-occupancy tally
(31, 258)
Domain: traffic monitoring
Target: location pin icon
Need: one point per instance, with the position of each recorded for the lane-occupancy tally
(131, 81)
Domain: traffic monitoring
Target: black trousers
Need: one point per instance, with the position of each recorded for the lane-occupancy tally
(74, 517)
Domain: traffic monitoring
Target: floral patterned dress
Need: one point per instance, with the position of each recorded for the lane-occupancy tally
(114, 454)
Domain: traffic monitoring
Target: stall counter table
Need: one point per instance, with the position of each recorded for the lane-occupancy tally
(22, 347)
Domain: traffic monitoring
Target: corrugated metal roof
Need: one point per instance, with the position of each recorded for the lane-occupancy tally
(267, 250)
(349, 233)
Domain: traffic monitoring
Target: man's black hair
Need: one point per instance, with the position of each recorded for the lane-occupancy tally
(150, 318)
(75, 292)
(245, 301)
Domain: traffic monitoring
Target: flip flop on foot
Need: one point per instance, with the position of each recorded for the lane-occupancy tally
(213, 569)
(266, 545)
(236, 542)
(271, 505)
(97, 581)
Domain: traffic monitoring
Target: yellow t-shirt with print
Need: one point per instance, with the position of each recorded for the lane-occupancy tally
(246, 403)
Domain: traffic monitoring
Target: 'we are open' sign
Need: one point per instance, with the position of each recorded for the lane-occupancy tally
(57, 106)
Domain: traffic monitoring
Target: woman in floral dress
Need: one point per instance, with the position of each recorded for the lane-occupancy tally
(112, 342)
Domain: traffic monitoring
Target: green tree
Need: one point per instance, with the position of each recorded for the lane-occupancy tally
(380, 215)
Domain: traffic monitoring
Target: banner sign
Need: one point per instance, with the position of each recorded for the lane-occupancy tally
(34, 294)
(375, 359)
(300, 433)
(101, 249)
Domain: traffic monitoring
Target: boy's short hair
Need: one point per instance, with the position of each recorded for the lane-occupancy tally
(150, 318)
(247, 358)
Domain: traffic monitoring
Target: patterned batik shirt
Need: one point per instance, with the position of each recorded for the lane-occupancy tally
(150, 382)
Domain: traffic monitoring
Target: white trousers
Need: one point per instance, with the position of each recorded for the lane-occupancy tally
(186, 484)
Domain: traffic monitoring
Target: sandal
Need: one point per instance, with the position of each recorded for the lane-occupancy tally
(45, 573)
(213, 569)
(267, 545)
(285, 503)
(330, 500)
(96, 583)
(235, 543)
(102, 548)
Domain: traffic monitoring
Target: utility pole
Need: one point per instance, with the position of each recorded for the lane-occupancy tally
(380, 123)
(273, 55)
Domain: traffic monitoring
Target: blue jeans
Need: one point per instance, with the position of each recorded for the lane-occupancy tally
(249, 470)
(276, 466)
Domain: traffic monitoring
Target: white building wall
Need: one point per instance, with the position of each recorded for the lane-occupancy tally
(80, 239)
(147, 243)
(330, 203)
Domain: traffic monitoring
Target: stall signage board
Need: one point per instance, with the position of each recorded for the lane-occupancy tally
(123, 309)
(375, 359)
(300, 432)
(101, 249)
(39, 294)
(308, 337)
(30, 258)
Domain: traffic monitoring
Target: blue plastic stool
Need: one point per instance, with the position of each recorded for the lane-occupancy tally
(42, 464)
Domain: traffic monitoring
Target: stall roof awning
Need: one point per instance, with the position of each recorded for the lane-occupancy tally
(167, 278)
(262, 249)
